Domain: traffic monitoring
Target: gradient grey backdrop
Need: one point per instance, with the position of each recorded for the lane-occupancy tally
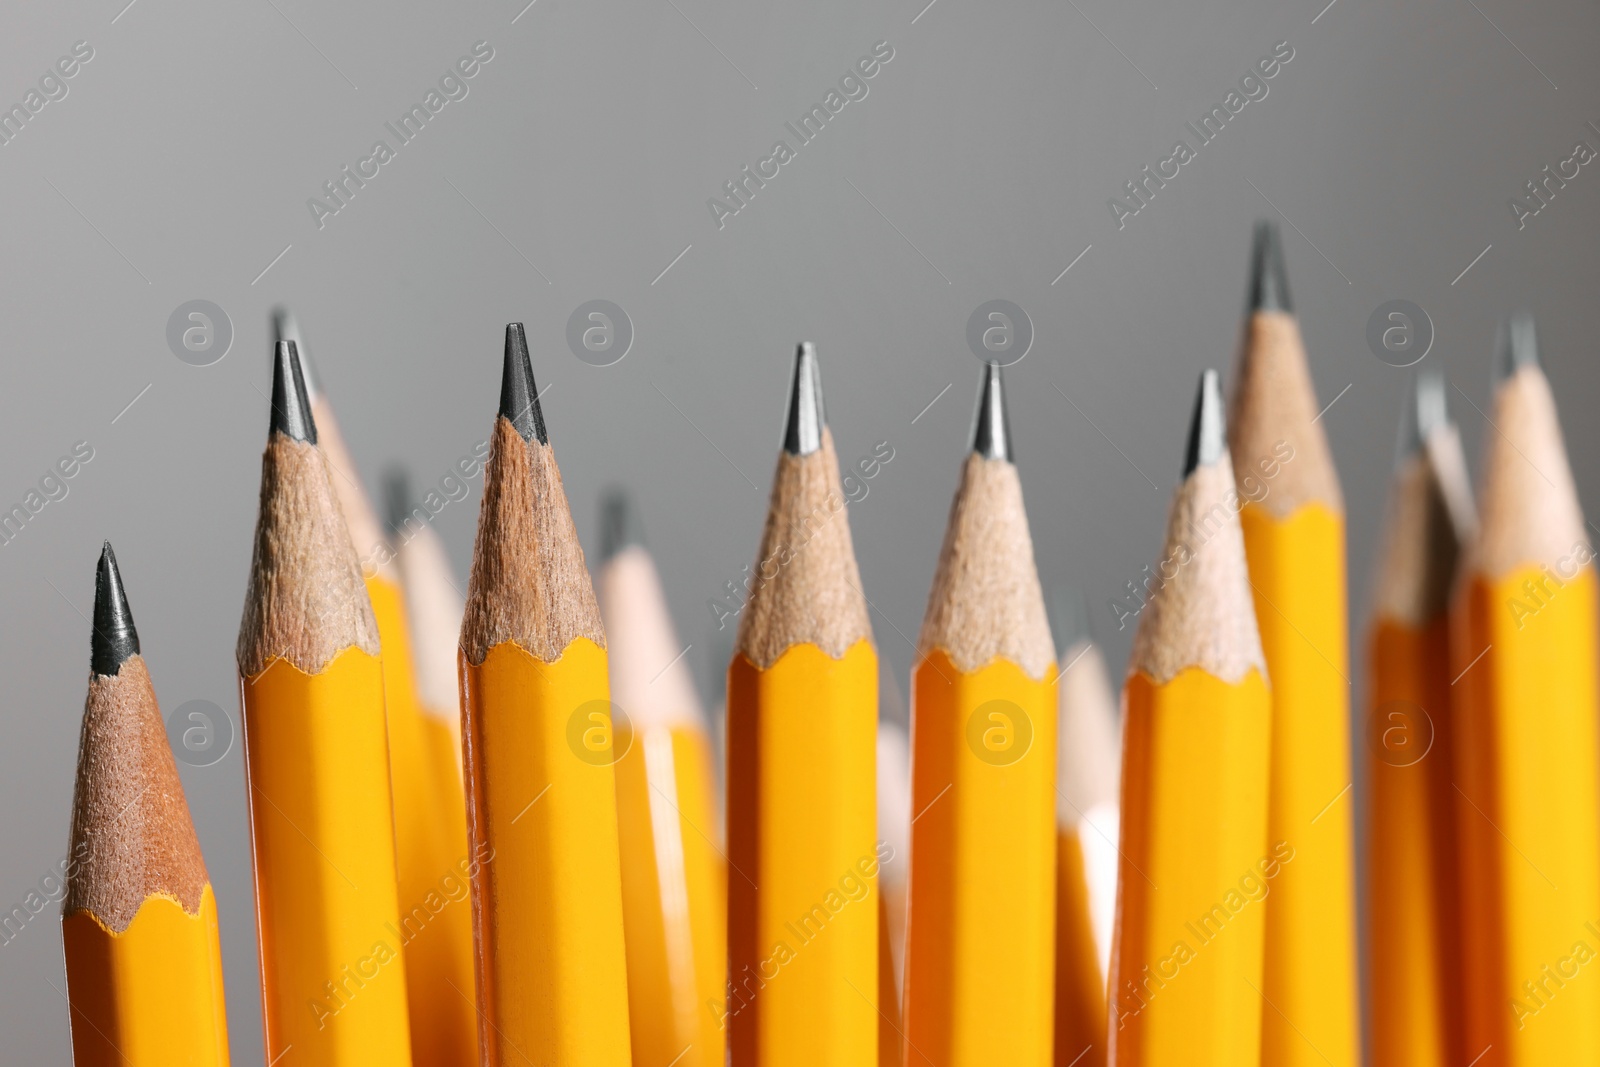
(979, 166)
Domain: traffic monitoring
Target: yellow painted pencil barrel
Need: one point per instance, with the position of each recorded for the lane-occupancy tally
(1293, 520)
(1528, 755)
(803, 855)
(539, 743)
(139, 917)
(317, 766)
(1197, 868)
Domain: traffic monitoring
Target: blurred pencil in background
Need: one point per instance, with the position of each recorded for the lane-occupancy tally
(894, 831)
(317, 765)
(1089, 755)
(434, 606)
(1293, 520)
(674, 894)
(1528, 752)
(542, 794)
(980, 952)
(802, 724)
(435, 922)
(1197, 866)
(139, 919)
(1414, 991)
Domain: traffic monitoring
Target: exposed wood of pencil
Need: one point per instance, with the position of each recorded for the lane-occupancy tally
(1422, 543)
(807, 587)
(1202, 617)
(434, 608)
(986, 602)
(1090, 752)
(130, 822)
(1275, 400)
(306, 602)
(650, 676)
(529, 584)
(1529, 504)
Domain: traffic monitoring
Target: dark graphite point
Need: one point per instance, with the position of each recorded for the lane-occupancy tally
(1426, 410)
(1519, 345)
(802, 434)
(620, 526)
(1207, 431)
(991, 422)
(285, 328)
(114, 639)
(1269, 282)
(519, 397)
(291, 407)
(396, 498)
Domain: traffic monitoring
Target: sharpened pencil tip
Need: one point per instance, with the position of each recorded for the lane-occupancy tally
(291, 404)
(620, 525)
(1208, 432)
(803, 433)
(519, 396)
(1269, 281)
(114, 639)
(285, 328)
(1519, 345)
(1426, 410)
(396, 498)
(991, 422)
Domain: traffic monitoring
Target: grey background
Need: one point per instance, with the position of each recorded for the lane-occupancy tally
(978, 167)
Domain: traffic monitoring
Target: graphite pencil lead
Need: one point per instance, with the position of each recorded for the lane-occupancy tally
(286, 328)
(1426, 410)
(519, 396)
(1208, 433)
(114, 640)
(291, 405)
(1269, 281)
(396, 498)
(1519, 345)
(620, 526)
(991, 423)
(803, 433)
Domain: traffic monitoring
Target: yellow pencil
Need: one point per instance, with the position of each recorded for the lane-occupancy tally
(802, 719)
(1528, 753)
(1414, 995)
(980, 949)
(1196, 867)
(541, 790)
(436, 915)
(139, 920)
(317, 765)
(674, 893)
(1294, 536)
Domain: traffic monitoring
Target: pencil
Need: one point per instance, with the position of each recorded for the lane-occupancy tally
(1523, 656)
(541, 789)
(1086, 819)
(1414, 992)
(317, 765)
(802, 721)
(1186, 969)
(980, 949)
(1294, 538)
(434, 606)
(894, 831)
(436, 915)
(139, 919)
(674, 893)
